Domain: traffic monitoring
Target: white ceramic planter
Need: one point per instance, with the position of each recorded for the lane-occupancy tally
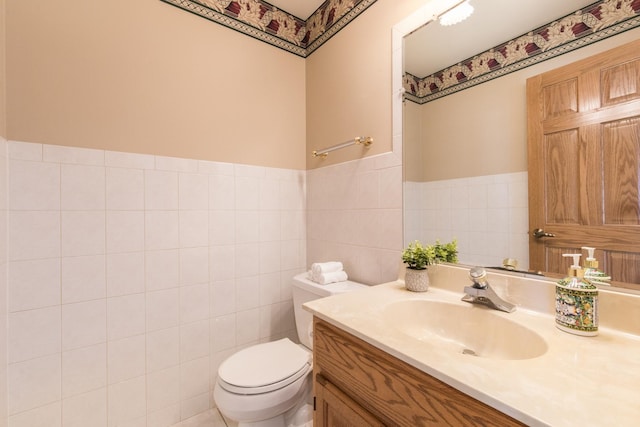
(416, 280)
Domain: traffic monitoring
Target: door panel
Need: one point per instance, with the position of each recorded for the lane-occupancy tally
(584, 163)
(621, 145)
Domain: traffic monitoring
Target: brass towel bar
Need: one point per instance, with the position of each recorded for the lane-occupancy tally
(364, 140)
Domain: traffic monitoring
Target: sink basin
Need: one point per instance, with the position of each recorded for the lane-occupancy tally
(471, 329)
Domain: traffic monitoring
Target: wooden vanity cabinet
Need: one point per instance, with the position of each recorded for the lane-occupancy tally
(357, 384)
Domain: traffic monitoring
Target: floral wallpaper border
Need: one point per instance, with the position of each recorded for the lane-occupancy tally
(265, 22)
(590, 24)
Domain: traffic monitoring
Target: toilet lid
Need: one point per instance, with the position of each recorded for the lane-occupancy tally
(264, 367)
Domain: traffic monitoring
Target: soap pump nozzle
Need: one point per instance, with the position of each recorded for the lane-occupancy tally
(590, 261)
(575, 268)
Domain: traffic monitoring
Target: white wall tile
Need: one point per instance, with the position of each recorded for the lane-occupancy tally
(222, 227)
(165, 417)
(270, 257)
(292, 254)
(82, 187)
(247, 226)
(272, 320)
(247, 294)
(125, 316)
(194, 228)
(124, 189)
(149, 263)
(194, 340)
(126, 358)
(293, 193)
(194, 266)
(248, 326)
(34, 284)
(88, 409)
(84, 324)
(176, 164)
(391, 188)
(193, 191)
(223, 333)
(34, 185)
(292, 225)
(162, 269)
(269, 288)
(222, 261)
(125, 273)
(163, 349)
(84, 369)
(247, 193)
(83, 233)
(33, 383)
(194, 378)
(34, 235)
(269, 194)
(219, 168)
(33, 333)
(161, 190)
(83, 278)
(129, 160)
(223, 296)
(161, 230)
(24, 150)
(163, 388)
(244, 252)
(73, 155)
(194, 405)
(125, 231)
(222, 192)
(127, 401)
(270, 226)
(163, 308)
(44, 416)
(194, 303)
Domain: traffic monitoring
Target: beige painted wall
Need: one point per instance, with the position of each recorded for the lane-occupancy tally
(144, 76)
(482, 130)
(3, 74)
(349, 85)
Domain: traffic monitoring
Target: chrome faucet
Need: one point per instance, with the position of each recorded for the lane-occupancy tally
(481, 293)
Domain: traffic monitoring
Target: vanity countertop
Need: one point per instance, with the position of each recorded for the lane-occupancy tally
(591, 381)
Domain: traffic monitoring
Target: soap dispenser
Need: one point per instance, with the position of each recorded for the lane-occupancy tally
(576, 302)
(591, 272)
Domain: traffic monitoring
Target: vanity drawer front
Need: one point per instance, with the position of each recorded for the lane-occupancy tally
(393, 391)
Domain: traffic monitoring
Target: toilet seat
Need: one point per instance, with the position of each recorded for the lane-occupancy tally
(264, 367)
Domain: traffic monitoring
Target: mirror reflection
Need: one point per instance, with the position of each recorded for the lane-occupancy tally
(465, 152)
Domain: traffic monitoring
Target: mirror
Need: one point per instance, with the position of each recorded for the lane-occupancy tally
(465, 165)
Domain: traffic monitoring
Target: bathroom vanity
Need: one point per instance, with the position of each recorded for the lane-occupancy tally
(388, 356)
(359, 384)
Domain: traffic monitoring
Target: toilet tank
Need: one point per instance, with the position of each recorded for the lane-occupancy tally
(307, 290)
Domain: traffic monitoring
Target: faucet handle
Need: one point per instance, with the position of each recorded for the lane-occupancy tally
(478, 276)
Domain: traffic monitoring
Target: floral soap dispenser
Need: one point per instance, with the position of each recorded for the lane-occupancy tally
(591, 272)
(576, 302)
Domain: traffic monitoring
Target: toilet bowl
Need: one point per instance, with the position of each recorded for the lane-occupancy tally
(269, 384)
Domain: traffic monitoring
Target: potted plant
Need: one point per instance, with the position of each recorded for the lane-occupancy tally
(418, 257)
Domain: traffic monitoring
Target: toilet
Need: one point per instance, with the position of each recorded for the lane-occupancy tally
(269, 385)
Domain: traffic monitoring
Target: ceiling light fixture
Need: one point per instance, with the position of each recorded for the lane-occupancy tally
(457, 14)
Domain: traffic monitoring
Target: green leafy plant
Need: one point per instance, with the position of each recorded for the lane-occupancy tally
(418, 257)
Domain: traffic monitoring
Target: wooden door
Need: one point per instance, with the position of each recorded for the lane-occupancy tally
(584, 163)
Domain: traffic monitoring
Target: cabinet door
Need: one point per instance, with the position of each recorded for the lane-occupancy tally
(336, 409)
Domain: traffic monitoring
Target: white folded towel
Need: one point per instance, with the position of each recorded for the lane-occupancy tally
(323, 272)
(331, 277)
(318, 268)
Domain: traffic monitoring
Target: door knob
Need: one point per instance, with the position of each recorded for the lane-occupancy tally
(539, 233)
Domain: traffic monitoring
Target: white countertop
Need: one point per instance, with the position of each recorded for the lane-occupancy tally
(579, 381)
